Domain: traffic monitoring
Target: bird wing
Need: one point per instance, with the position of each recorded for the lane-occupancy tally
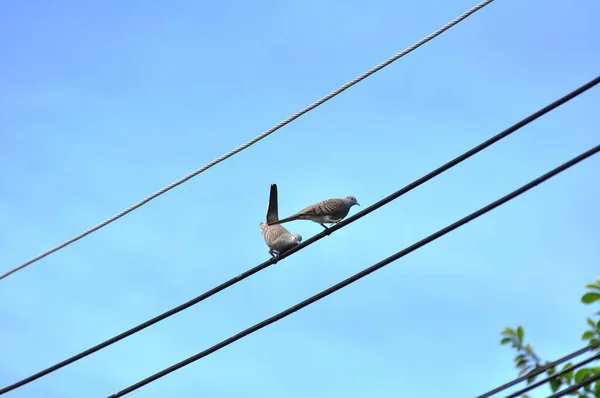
(325, 207)
(274, 233)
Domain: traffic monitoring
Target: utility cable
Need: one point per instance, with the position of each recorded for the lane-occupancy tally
(313, 239)
(361, 274)
(541, 370)
(537, 384)
(255, 139)
(576, 386)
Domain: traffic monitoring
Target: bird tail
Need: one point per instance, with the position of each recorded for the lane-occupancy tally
(287, 219)
(272, 208)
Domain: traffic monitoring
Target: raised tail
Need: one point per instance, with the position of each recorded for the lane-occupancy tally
(288, 219)
(272, 209)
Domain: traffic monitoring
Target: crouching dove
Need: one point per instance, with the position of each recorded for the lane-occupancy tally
(326, 211)
(277, 238)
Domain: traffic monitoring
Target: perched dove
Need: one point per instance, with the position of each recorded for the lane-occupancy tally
(327, 211)
(277, 238)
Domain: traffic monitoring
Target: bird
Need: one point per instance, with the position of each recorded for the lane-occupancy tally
(277, 238)
(326, 211)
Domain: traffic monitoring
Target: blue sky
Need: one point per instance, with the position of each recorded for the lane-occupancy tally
(103, 103)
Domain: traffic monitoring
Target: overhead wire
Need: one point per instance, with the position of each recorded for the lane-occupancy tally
(255, 139)
(541, 370)
(576, 386)
(313, 239)
(360, 274)
(540, 383)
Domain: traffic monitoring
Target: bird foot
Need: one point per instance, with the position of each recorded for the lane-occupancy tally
(327, 230)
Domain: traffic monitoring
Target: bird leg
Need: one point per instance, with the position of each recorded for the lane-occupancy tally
(323, 225)
(274, 253)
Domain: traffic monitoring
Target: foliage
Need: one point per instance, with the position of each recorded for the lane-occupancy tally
(528, 362)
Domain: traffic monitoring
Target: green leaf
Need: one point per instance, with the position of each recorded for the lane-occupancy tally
(568, 377)
(555, 384)
(593, 286)
(587, 335)
(531, 379)
(519, 358)
(508, 331)
(589, 298)
(551, 371)
(523, 370)
(581, 374)
(520, 329)
(598, 326)
(591, 322)
(521, 363)
(532, 374)
(567, 365)
(587, 388)
(595, 369)
(505, 340)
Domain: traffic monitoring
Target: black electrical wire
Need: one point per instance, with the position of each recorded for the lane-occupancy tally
(312, 240)
(359, 275)
(576, 386)
(541, 370)
(554, 376)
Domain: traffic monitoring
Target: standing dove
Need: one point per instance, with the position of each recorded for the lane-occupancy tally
(277, 238)
(326, 211)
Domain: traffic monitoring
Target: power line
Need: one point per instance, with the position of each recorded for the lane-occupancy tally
(361, 274)
(257, 138)
(541, 370)
(576, 387)
(554, 376)
(312, 240)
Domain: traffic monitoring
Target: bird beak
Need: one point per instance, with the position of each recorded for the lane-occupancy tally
(358, 204)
